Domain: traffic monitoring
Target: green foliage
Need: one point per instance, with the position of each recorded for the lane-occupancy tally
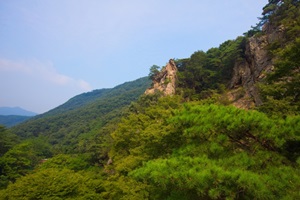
(269, 10)
(254, 31)
(203, 178)
(204, 72)
(123, 188)
(203, 151)
(281, 94)
(7, 140)
(55, 184)
(145, 135)
(72, 162)
(96, 145)
(22, 158)
(154, 70)
(276, 10)
(286, 15)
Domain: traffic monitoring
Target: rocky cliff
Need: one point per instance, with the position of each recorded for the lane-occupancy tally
(253, 68)
(165, 80)
(247, 71)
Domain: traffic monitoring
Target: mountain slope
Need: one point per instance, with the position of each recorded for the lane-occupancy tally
(15, 111)
(193, 145)
(12, 120)
(82, 114)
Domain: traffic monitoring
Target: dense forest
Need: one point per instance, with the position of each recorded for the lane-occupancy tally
(203, 142)
(12, 120)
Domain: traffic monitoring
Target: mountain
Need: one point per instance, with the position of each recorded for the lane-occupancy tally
(12, 120)
(11, 116)
(131, 88)
(15, 111)
(82, 115)
(220, 124)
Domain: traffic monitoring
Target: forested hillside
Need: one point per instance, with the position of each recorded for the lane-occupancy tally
(80, 126)
(12, 120)
(11, 116)
(85, 113)
(230, 131)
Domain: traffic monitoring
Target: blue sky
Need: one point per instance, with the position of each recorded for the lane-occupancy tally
(52, 50)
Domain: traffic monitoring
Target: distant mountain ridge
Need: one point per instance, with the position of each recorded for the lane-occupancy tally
(16, 111)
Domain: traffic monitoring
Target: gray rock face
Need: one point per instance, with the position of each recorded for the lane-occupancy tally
(253, 68)
(256, 65)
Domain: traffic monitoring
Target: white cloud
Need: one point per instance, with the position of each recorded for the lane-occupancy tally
(36, 85)
(8, 65)
(42, 71)
(84, 85)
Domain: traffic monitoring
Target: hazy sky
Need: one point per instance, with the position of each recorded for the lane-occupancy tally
(52, 50)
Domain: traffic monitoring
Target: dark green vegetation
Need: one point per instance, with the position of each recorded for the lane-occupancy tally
(205, 151)
(193, 145)
(204, 72)
(7, 140)
(11, 116)
(12, 120)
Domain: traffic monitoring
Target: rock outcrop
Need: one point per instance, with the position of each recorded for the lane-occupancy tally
(165, 80)
(250, 70)
(247, 72)
(253, 68)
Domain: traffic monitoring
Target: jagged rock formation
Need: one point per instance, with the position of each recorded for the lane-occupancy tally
(252, 69)
(165, 80)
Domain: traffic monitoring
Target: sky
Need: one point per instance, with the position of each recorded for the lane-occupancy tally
(52, 50)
